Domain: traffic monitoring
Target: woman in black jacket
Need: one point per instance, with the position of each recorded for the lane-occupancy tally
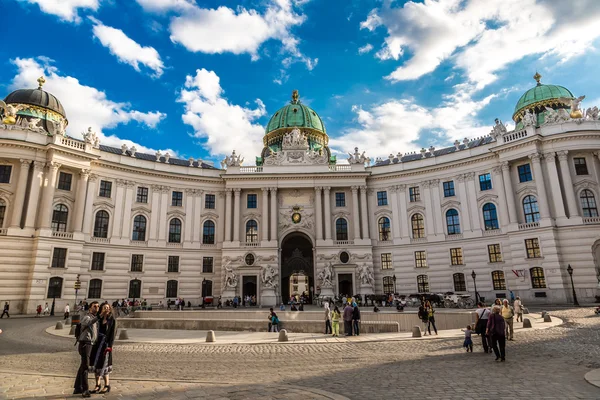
(102, 350)
(356, 319)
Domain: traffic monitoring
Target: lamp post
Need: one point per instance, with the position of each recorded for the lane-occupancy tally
(394, 279)
(570, 271)
(474, 275)
(77, 286)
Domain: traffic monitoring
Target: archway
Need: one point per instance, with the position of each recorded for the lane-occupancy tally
(296, 258)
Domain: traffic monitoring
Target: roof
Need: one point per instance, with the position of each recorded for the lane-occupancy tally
(295, 114)
(152, 157)
(36, 97)
(541, 93)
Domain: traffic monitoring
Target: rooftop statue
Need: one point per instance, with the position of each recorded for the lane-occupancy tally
(528, 118)
(592, 113)
(358, 158)
(555, 116)
(232, 161)
(574, 103)
(499, 129)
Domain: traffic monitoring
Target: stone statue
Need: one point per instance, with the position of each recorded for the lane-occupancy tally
(90, 137)
(230, 279)
(358, 158)
(498, 130)
(295, 140)
(123, 149)
(365, 275)
(268, 276)
(325, 277)
(157, 154)
(10, 113)
(32, 125)
(574, 104)
(233, 160)
(555, 116)
(592, 114)
(528, 118)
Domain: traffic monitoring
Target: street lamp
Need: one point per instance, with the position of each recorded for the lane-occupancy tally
(570, 271)
(394, 279)
(77, 286)
(474, 275)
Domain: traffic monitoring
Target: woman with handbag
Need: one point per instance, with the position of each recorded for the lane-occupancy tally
(102, 350)
(483, 315)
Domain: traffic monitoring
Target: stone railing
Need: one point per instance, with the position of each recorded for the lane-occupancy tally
(174, 245)
(249, 170)
(250, 244)
(75, 144)
(418, 240)
(99, 240)
(3, 231)
(208, 246)
(341, 167)
(456, 236)
(62, 235)
(139, 243)
(492, 232)
(514, 135)
(591, 220)
(343, 242)
(529, 225)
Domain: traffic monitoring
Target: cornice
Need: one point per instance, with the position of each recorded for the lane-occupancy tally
(186, 178)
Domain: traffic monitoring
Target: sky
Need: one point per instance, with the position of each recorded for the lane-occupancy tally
(200, 78)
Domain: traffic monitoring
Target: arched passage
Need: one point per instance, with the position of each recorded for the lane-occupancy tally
(296, 258)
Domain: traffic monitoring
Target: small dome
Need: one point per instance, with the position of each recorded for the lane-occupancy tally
(297, 115)
(36, 97)
(540, 96)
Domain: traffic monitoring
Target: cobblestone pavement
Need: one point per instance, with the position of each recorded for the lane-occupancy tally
(541, 364)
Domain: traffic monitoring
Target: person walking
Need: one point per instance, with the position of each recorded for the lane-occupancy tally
(496, 329)
(422, 314)
(86, 339)
(274, 321)
(270, 318)
(483, 314)
(5, 310)
(38, 310)
(67, 311)
(46, 309)
(468, 343)
(508, 312)
(327, 319)
(356, 319)
(102, 349)
(518, 306)
(348, 311)
(430, 317)
(335, 319)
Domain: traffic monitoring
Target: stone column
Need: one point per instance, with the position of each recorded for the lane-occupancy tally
(80, 199)
(472, 198)
(88, 215)
(34, 194)
(565, 172)
(396, 215)
(403, 213)
(273, 214)
(118, 215)
(509, 192)
(196, 220)
(364, 212)
(227, 215)
(504, 220)
(126, 222)
(264, 223)
(221, 214)
(557, 200)
(464, 202)
(189, 215)
(17, 214)
(437, 206)
(327, 217)
(236, 214)
(48, 195)
(429, 211)
(164, 206)
(542, 198)
(155, 207)
(355, 215)
(319, 212)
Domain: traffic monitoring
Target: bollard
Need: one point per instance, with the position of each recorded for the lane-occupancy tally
(72, 331)
(526, 323)
(416, 331)
(283, 336)
(67, 321)
(210, 336)
(544, 314)
(123, 335)
(59, 325)
(547, 318)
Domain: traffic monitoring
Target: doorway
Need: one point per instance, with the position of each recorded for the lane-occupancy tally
(296, 259)
(345, 285)
(249, 286)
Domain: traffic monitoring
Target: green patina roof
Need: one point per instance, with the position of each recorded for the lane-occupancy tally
(541, 93)
(295, 114)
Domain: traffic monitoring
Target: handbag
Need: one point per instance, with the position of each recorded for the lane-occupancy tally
(481, 324)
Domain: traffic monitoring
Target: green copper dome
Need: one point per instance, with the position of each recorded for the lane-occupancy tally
(540, 96)
(295, 114)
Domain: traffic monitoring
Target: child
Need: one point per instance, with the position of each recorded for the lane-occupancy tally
(468, 343)
(335, 320)
(274, 322)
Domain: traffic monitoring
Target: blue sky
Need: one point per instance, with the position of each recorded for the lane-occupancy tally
(201, 78)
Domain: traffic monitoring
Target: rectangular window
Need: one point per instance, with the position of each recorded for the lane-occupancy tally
(485, 182)
(59, 258)
(422, 284)
(460, 285)
(420, 259)
(414, 193)
(538, 280)
(580, 166)
(209, 201)
(532, 246)
(498, 280)
(340, 199)
(177, 199)
(105, 189)
(207, 265)
(524, 173)
(386, 261)
(251, 200)
(97, 261)
(494, 253)
(173, 265)
(142, 195)
(5, 171)
(64, 181)
(382, 198)
(456, 256)
(137, 262)
(449, 189)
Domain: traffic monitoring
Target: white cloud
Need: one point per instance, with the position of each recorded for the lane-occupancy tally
(160, 6)
(126, 49)
(67, 10)
(223, 126)
(365, 49)
(85, 105)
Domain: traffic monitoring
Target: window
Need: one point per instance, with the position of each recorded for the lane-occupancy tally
(456, 256)
(532, 246)
(382, 198)
(208, 232)
(135, 288)
(251, 231)
(177, 199)
(414, 194)
(588, 203)
(139, 228)
(531, 210)
(344, 257)
(418, 226)
(55, 287)
(449, 189)
(207, 288)
(384, 229)
(341, 229)
(498, 280)
(251, 201)
(97, 261)
(580, 166)
(137, 263)
(64, 181)
(95, 289)
(59, 257)
(422, 284)
(538, 280)
(142, 195)
(460, 285)
(420, 259)
(249, 259)
(452, 222)
(388, 284)
(5, 171)
(105, 189)
(386, 261)
(494, 253)
(207, 265)
(490, 217)
(101, 224)
(175, 231)
(209, 201)
(173, 264)
(171, 289)
(524, 173)
(2, 212)
(485, 182)
(340, 199)
(59, 218)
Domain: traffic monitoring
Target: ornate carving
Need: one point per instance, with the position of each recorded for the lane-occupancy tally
(535, 157)
(84, 174)
(362, 188)
(237, 192)
(426, 184)
(265, 190)
(90, 137)
(93, 178)
(550, 157)
(325, 276)
(268, 276)
(505, 166)
(469, 176)
(296, 216)
(295, 150)
(354, 189)
(497, 170)
(562, 155)
(460, 177)
(190, 192)
(54, 166)
(574, 104)
(556, 116)
(121, 182)
(25, 163)
(273, 190)
(401, 188)
(528, 118)
(365, 275)
(498, 130)
(592, 114)
(230, 278)
(165, 189)
(232, 161)
(358, 158)
(326, 189)
(434, 183)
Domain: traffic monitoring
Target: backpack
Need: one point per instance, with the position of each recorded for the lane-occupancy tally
(275, 321)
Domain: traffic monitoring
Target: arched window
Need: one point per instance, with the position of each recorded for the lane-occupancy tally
(530, 207)
(101, 224)
(55, 287)
(341, 229)
(418, 226)
(208, 232)
(384, 229)
(207, 288)
(538, 280)
(422, 284)
(498, 280)
(452, 222)
(95, 289)
(139, 229)
(388, 284)
(490, 217)
(251, 231)
(135, 288)
(460, 285)
(175, 231)
(2, 212)
(171, 289)
(59, 218)
(588, 203)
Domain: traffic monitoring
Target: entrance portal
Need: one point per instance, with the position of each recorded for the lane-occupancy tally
(345, 285)
(249, 284)
(296, 258)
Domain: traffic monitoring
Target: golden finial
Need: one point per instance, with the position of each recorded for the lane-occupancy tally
(537, 77)
(295, 96)
(41, 81)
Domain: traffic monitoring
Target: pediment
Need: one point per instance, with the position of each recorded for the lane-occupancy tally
(104, 203)
(210, 215)
(585, 184)
(177, 213)
(383, 211)
(415, 208)
(5, 193)
(141, 209)
(62, 197)
(451, 204)
(487, 197)
(341, 214)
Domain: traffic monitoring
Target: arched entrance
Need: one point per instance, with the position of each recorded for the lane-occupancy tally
(296, 258)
